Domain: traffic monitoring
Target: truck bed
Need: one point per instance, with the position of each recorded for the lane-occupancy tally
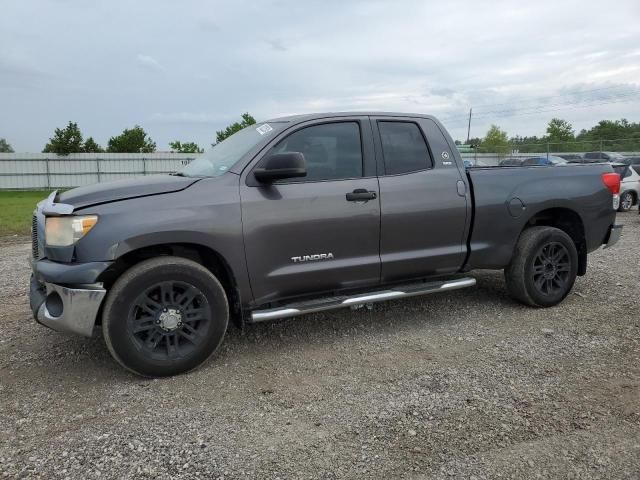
(505, 199)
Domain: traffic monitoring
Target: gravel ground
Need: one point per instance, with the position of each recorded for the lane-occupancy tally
(462, 384)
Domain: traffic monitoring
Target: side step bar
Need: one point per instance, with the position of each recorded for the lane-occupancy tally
(331, 303)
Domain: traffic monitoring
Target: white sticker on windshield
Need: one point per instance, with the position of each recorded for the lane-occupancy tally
(264, 128)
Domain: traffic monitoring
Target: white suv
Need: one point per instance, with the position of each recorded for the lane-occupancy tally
(629, 185)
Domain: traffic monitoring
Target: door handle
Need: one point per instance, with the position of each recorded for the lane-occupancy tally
(361, 195)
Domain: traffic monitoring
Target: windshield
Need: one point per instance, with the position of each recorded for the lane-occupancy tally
(225, 154)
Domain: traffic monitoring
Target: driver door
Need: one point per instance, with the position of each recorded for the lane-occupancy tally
(307, 235)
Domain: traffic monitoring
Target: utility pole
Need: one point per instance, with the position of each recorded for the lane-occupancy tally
(469, 127)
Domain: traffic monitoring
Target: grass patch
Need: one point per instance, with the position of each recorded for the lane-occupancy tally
(16, 209)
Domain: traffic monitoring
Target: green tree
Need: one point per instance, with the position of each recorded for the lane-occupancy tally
(5, 147)
(496, 141)
(90, 146)
(559, 134)
(247, 120)
(187, 147)
(528, 144)
(65, 141)
(616, 135)
(132, 140)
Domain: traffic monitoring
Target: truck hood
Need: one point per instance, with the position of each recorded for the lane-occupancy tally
(124, 189)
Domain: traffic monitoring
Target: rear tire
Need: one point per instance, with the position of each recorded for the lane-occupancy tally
(543, 268)
(165, 316)
(626, 202)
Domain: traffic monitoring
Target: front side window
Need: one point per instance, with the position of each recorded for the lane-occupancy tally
(332, 151)
(403, 147)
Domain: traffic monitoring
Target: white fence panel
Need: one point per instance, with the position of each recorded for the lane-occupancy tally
(44, 171)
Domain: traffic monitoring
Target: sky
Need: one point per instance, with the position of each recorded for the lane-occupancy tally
(183, 70)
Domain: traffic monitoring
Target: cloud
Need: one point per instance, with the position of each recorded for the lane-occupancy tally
(212, 62)
(276, 45)
(149, 63)
(208, 25)
(188, 117)
(20, 73)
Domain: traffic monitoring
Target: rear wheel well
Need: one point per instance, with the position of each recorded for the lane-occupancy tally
(569, 222)
(209, 258)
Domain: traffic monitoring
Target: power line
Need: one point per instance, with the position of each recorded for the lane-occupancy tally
(568, 94)
(545, 108)
(539, 108)
(570, 102)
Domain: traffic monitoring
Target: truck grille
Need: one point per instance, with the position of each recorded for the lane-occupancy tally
(35, 251)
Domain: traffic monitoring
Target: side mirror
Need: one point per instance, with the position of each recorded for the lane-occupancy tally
(281, 165)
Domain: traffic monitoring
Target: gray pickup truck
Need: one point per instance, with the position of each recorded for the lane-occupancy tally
(304, 214)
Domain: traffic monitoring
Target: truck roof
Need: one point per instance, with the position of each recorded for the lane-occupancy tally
(316, 116)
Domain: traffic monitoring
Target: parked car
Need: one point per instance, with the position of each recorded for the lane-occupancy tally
(596, 157)
(304, 214)
(544, 160)
(469, 162)
(629, 185)
(571, 157)
(510, 162)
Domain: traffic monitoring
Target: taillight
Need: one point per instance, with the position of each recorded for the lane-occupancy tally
(612, 182)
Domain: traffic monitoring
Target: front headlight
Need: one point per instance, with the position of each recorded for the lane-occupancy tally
(65, 231)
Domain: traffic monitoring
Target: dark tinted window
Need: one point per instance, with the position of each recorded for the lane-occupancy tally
(403, 148)
(596, 156)
(331, 150)
(535, 161)
(637, 169)
(620, 169)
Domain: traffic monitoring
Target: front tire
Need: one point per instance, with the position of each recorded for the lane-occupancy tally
(543, 268)
(165, 316)
(626, 202)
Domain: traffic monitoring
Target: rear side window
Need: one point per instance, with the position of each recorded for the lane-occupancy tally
(332, 151)
(637, 169)
(403, 148)
(620, 170)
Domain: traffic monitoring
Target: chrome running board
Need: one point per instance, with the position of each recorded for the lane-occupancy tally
(331, 303)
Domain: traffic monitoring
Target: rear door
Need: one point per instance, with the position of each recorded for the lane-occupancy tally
(631, 180)
(314, 234)
(423, 200)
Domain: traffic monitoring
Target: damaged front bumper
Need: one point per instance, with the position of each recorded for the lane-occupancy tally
(67, 296)
(66, 309)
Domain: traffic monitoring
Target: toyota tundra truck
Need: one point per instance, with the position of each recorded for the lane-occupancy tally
(304, 214)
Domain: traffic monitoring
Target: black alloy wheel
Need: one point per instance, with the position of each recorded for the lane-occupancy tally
(551, 269)
(169, 319)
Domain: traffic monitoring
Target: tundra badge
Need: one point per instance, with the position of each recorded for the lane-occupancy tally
(312, 258)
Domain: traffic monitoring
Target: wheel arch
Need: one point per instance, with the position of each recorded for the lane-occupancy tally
(633, 193)
(202, 254)
(570, 222)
